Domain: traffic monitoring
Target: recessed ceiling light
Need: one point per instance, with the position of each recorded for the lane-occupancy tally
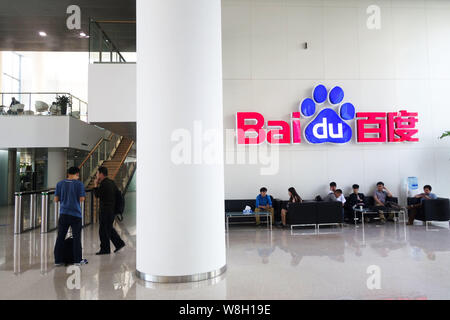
(42, 34)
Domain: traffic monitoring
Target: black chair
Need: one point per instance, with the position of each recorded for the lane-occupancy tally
(314, 213)
(329, 213)
(432, 210)
(302, 214)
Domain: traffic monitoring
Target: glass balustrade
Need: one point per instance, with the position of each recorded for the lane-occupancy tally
(42, 104)
(112, 41)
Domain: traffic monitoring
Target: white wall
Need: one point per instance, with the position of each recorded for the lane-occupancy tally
(112, 93)
(48, 132)
(404, 65)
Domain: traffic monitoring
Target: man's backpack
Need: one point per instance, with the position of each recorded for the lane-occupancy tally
(120, 204)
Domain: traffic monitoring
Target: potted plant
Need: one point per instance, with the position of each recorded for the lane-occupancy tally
(62, 102)
(445, 134)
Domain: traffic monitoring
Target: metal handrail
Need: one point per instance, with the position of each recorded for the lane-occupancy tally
(95, 148)
(125, 157)
(104, 38)
(86, 176)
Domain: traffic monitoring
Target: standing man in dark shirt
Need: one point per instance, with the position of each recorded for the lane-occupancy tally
(105, 190)
(70, 193)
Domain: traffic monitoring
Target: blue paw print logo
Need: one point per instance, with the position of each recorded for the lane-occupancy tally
(328, 125)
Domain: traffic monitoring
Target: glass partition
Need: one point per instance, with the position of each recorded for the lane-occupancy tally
(52, 214)
(125, 173)
(112, 41)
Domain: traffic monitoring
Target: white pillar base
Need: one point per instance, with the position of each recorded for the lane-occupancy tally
(181, 279)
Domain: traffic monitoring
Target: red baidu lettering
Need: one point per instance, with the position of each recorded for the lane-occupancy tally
(402, 126)
(256, 129)
(373, 124)
(296, 128)
(279, 136)
(253, 133)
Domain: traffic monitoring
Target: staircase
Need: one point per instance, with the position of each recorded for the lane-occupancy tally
(115, 163)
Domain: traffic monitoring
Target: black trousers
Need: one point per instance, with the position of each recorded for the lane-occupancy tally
(66, 221)
(107, 232)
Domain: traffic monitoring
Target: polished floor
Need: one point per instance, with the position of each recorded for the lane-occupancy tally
(413, 263)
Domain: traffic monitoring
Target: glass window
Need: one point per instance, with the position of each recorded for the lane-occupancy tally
(11, 72)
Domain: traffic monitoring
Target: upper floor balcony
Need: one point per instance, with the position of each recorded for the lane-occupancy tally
(43, 104)
(46, 120)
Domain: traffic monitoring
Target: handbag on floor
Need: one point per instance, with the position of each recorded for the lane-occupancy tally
(68, 248)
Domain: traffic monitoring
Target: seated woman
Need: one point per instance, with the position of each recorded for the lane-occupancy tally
(293, 198)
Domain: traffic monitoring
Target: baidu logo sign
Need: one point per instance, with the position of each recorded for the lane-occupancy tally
(327, 114)
(328, 125)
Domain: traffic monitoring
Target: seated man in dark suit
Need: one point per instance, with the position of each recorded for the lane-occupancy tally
(355, 199)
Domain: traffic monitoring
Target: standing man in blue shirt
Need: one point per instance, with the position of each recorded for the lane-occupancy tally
(70, 193)
(263, 204)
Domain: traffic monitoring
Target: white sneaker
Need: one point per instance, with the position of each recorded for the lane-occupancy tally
(84, 261)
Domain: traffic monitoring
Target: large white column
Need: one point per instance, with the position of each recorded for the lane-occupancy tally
(56, 167)
(180, 208)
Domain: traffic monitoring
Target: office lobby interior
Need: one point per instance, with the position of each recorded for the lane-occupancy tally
(264, 149)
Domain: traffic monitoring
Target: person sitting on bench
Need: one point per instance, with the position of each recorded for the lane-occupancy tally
(263, 204)
(293, 198)
(355, 199)
(340, 197)
(330, 197)
(380, 197)
(412, 209)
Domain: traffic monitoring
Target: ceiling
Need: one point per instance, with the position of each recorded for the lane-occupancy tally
(127, 129)
(21, 20)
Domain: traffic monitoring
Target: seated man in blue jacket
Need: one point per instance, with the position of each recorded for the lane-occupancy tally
(263, 204)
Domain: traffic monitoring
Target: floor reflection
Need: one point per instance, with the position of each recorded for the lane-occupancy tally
(262, 264)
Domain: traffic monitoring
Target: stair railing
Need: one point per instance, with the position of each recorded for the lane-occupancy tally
(125, 172)
(124, 175)
(103, 151)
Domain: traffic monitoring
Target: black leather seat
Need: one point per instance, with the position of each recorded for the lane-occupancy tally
(314, 212)
(432, 210)
(302, 213)
(238, 205)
